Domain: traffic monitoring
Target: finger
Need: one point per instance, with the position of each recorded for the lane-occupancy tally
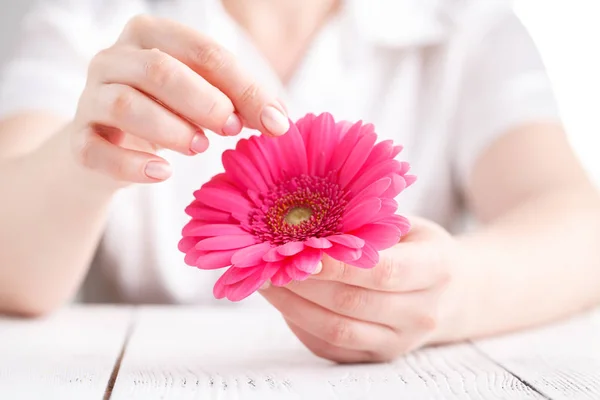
(399, 311)
(96, 153)
(213, 62)
(322, 349)
(335, 329)
(405, 267)
(128, 109)
(171, 82)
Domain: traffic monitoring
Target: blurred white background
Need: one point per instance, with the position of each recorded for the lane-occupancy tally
(566, 32)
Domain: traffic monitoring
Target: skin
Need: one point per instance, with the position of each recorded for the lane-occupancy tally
(540, 214)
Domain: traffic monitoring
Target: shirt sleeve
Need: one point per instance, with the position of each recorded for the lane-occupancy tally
(56, 41)
(505, 85)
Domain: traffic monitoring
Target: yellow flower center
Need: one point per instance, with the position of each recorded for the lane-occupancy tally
(298, 215)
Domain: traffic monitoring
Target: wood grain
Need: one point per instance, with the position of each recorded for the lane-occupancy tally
(195, 353)
(69, 355)
(562, 360)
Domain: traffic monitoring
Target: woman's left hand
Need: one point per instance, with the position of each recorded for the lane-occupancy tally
(348, 314)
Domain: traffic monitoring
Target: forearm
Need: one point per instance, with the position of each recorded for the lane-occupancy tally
(538, 262)
(52, 213)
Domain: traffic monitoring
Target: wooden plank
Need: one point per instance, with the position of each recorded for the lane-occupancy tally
(69, 355)
(196, 353)
(562, 360)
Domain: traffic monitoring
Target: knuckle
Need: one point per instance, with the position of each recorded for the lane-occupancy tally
(139, 23)
(249, 94)
(350, 300)
(426, 321)
(385, 273)
(97, 64)
(82, 145)
(159, 70)
(340, 333)
(211, 57)
(121, 104)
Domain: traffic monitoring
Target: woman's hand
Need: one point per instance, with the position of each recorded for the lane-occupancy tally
(157, 87)
(348, 314)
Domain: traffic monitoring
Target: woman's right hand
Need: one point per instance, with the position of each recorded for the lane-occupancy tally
(157, 87)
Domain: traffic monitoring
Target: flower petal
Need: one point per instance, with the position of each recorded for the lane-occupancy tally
(187, 243)
(356, 159)
(345, 147)
(273, 255)
(235, 275)
(200, 228)
(295, 273)
(397, 220)
(251, 255)
(307, 260)
(362, 213)
(281, 278)
(381, 236)
(388, 206)
(347, 240)
(318, 243)
(373, 173)
(241, 170)
(293, 151)
(397, 186)
(375, 189)
(213, 259)
(381, 151)
(368, 259)
(206, 214)
(410, 179)
(320, 142)
(343, 253)
(240, 290)
(226, 242)
(396, 150)
(255, 154)
(223, 199)
(290, 248)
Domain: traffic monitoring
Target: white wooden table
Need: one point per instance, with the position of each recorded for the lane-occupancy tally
(99, 352)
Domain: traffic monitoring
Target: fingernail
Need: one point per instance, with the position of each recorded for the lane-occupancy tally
(232, 126)
(318, 269)
(158, 170)
(199, 143)
(265, 285)
(276, 123)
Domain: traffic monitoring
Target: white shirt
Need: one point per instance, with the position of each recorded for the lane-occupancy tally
(443, 78)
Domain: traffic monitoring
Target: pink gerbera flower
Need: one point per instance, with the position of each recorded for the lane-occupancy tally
(323, 187)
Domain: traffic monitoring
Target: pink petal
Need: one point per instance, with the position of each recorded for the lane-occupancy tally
(375, 189)
(200, 228)
(318, 243)
(343, 253)
(369, 258)
(397, 186)
(345, 147)
(222, 199)
(290, 248)
(201, 212)
(374, 173)
(397, 220)
(266, 152)
(356, 159)
(251, 255)
(362, 213)
(281, 278)
(347, 240)
(410, 179)
(260, 162)
(235, 275)
(293, 150)
(396, 150)
(187, 243)
(307, 260)
(320, 141)
(295, 273)
(380, 236)
(213, 259)
(242, 171)
(191, 257)
(226, 242)
(273, 255)
(381, 152)
(388, 206)
(240, 290)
